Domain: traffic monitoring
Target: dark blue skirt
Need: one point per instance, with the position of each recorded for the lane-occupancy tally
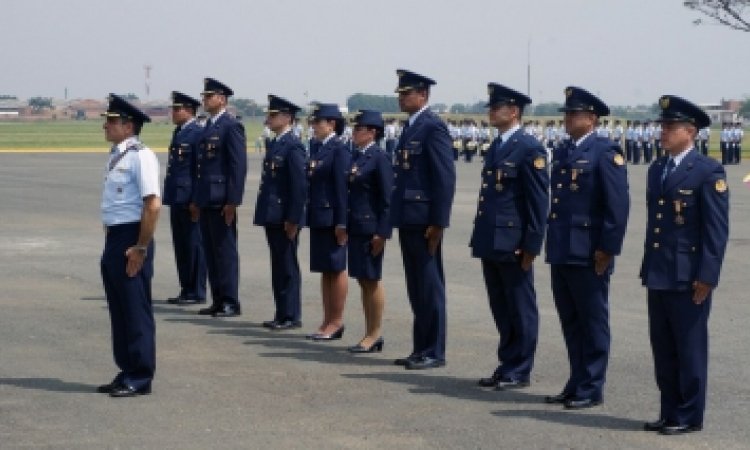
(326, 255)
(362, 265)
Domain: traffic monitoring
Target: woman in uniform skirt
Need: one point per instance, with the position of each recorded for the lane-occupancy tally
(370, 185)
(327, 172)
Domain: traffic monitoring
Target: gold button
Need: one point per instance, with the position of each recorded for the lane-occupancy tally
(480, 213)
(559, 185)
(510, 224)
(692, 249)
(481, 198)
(367, 217)
(484, 185)
(279, 200)
(657, 231)
(555, 200)
(327, 205)
(563, 171)
(417, 197)
(661, 201)
(658, 216)
(199, 175)
(656, 245)
(554, 216)
(585, 224)
(489, 172)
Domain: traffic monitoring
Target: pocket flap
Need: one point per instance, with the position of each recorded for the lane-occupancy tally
(414, 195)
(217, 179)
(507, 221)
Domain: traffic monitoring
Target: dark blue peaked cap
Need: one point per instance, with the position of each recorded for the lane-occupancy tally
(369, 118)
(180, 99)
(119, 107)
(327, 111)
(277, 104)
(211, 86)
(677, 109)
(577, 99)
(501, 95)
(409, 80)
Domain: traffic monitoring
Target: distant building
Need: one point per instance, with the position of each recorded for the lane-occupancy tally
(10, 106)
(725, 111)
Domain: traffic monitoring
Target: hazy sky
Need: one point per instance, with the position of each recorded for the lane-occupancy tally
(629, 51)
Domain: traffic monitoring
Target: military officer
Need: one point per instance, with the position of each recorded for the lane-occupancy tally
(130, 211)
(327, 177)
(280, 210)
(424, 186)
(221, 169)
(370, 185)
(586, 227)
(688, 226)
(178, 191)
(508, 234)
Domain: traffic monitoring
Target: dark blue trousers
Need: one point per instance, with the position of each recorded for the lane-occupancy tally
(679, 340)
(724, 153)
(286, 279)
(222, 257)
(425, 286)
(130, 310)
(188, 253)
(581, 298)
(737, 153)
(513, 305)
(629, 150)
(637, 146)
(648, 152)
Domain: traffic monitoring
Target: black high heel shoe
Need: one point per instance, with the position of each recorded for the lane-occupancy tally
(338, 334)
(376, 346)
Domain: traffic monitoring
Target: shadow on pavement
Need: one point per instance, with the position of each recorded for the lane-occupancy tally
(48, 384)
(448, 386)
(578, 419)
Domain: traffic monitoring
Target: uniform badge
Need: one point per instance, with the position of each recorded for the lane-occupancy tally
(540, 163)
(619, 160)
(721, 186)
(664, 102)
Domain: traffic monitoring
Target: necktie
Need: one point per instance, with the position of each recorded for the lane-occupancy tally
(667, 172)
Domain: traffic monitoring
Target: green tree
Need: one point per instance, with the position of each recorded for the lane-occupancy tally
(382, 103)
(244, 106)
(745, 108)
(458, 108)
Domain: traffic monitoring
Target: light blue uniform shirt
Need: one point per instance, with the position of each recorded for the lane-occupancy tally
(134, 177)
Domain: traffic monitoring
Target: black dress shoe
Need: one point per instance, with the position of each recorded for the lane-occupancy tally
(174, 300)
(425, 362)
(405, 361)
(671, 430)
(128, 391)
(581, 403)
(188, 301)
(338, 334)
(560, 398)
(286, 325)
(488, 382)
(376, 346)
(107, 388)
(227, 311)
(654, 426)
(210, 311)
(510, 383)
(270, 323)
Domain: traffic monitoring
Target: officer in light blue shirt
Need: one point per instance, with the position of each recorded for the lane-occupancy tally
(130, 210)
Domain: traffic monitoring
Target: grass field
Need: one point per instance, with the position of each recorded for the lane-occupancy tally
(89, 136)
